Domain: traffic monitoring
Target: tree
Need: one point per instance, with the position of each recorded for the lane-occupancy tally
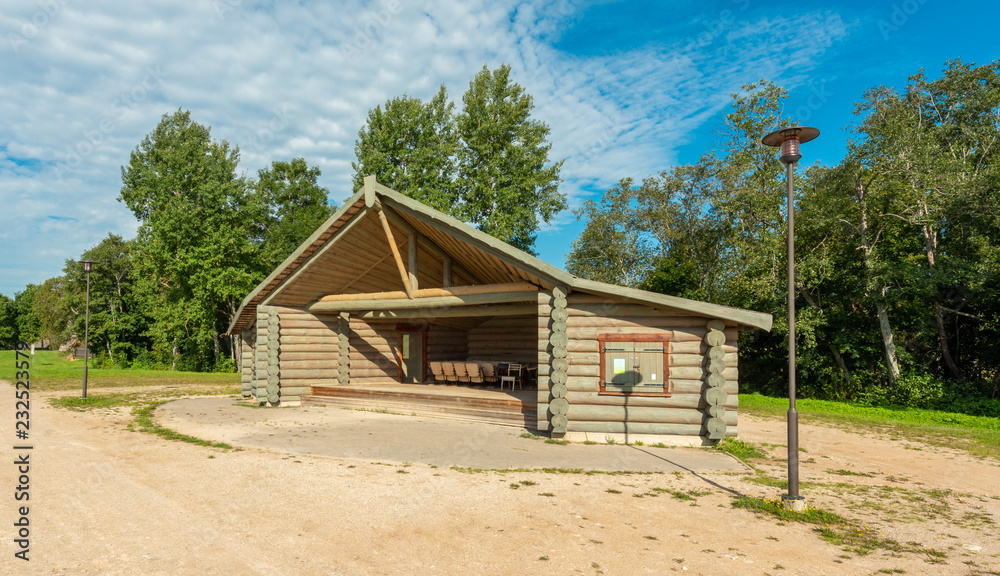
(194, 250)
(411, 147)
(290, 206)
(48, 305)
(119, 318)
(488, 165)
(8, 323)
(29, 325)
(505, 180)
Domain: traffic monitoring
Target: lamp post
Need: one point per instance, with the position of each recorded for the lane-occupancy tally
(788, 139)
(88, 265)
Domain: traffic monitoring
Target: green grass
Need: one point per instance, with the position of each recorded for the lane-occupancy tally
(144, 423)
(978, 435)
(50, 371)
(739, 448)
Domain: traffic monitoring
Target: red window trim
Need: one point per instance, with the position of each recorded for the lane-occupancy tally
(665, 338)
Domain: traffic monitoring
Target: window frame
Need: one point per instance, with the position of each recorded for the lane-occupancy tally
(603, 339)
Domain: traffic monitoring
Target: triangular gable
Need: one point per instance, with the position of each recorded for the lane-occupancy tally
(349, 242)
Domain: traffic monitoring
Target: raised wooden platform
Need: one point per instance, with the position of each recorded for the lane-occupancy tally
(508, 408)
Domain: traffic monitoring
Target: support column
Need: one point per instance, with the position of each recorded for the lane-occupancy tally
(344, 349)
(715, 394)
(559, 366)
(273, 369)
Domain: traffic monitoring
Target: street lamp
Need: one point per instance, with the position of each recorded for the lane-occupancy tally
(88, 265)
(788, 139)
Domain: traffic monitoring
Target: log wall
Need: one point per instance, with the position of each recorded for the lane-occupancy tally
(702, 356)
(509, 338)
(373, 352)
(309, 352)
(446, 344)
(248, 372)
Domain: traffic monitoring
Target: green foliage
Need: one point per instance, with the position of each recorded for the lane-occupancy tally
(8, 323)
(287, 207)
(411, 147)
(29, 325)
(487, 165)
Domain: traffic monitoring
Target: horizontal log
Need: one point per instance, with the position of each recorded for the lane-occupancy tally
(626, 315)
(435, 292)
(307, 374)
(308, 382)
(572, 346)
(638, 428)
(687, 401)
(458, 312)
(425, 303)
(312, 339)
(326, 333)
(287, 390)
(308, 365)
(646, 414)
(314, 349)
(297, 356)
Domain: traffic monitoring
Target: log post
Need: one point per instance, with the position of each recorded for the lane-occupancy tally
(273, 346)
(260, 357)
(559, 366)
(715, 395)
(411, 247)
(344, 349)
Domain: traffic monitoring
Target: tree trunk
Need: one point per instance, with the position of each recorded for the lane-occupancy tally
(890, 348)
(930, 243)
(891, 360)
(843, 365)
(173, 359)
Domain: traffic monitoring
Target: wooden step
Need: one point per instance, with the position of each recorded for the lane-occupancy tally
(507, 412)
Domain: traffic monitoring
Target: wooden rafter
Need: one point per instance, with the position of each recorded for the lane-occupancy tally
(395, 253)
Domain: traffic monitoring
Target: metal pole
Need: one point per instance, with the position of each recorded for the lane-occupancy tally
(86, 337)
(793, 415)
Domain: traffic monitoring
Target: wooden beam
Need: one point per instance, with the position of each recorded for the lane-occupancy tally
(344, 229)
(435, 292)
(411, 246)
(460, 312)
(427, 243)
(423, 303)
(395, 254)
(446, 272)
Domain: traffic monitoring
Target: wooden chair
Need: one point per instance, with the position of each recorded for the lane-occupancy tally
(513, 376)
(489, 374)
(475, 375)
(449, 371)
(437, 371)
(460, 371)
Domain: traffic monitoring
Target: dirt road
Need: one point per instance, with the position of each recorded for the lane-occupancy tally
(105, 500)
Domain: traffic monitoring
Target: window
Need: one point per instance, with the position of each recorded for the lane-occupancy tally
(634, 364)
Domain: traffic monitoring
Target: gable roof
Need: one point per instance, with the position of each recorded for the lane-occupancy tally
(485, 258)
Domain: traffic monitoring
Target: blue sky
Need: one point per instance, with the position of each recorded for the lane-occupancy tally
(627, 88)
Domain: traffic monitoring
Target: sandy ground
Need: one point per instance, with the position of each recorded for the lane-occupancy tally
(105, 500)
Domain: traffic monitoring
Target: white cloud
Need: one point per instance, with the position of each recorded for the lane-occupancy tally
(90, 80)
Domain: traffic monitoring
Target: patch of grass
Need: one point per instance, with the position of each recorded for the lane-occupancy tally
(739, 448)
(51, 371)
(659, 445)
(650, 537)
(144, 421)
(638, 443)
(544, 558)
(842, 472)
(613, 491)
(589, 442)
(677, 494)
(530, 436)
(546, 494)
(554, 441)
(978, 435)
(528, 483)
(833, 528)
(610, 440)
(92, 402)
